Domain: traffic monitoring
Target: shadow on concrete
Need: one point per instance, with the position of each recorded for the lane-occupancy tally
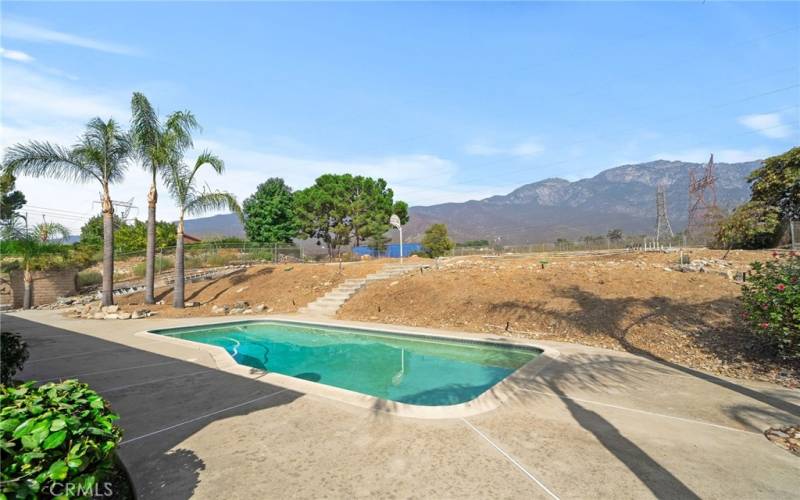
(659, 480)
(605, 317)
(162, 401)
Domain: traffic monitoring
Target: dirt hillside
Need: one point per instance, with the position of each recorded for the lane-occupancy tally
(629, 301)
(281, 288)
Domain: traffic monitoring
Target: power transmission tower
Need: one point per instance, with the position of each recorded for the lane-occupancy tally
(663, 226)
(124, 207)
(702, 203)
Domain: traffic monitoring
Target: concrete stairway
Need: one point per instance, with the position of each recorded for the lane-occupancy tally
(328, 304)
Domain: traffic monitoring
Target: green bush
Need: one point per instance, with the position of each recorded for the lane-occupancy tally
(60, 436)
(13, 354)
(89, 277)
(771, 300)
(161, 264)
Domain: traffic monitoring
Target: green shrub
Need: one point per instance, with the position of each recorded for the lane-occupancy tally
(13, 354)
(771, 300)
(89, 277)
(218, 260)
(56, 435)
(161, 264)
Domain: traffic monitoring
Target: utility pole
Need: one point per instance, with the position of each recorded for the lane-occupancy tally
(663, 226)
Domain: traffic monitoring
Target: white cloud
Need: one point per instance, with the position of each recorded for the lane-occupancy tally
(524, 149)
(15, 55)
(768, 124)
(21, 30)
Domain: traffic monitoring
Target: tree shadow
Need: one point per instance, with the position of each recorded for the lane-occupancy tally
(606, 315)
(661, 482)
(162, 401)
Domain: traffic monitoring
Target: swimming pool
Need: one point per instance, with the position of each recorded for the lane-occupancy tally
(419, 370)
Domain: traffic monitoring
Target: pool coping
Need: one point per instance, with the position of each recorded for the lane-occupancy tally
(489, 400)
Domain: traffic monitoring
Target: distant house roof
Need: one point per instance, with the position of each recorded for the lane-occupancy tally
(188, 238)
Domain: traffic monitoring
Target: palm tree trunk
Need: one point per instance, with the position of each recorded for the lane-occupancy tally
(27, 279)
(108, 250)
(150, 258)
(179, 278)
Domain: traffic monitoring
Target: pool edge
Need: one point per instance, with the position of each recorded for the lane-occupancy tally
(491, 399)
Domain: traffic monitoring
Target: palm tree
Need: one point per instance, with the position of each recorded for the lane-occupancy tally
(101, 155)
(50, 232)
(157, 145)
(180, 180)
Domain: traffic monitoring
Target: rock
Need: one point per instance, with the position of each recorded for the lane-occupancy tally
(219, 309)
(247, 311)
(241, 304)
(192, 304)
(242, 289)
(160, 303)
(259, 308)
(111, 316)
(124, 315)
(140, 313)
(110, 309)
(237, 310)
(393, 283)
(99, 315)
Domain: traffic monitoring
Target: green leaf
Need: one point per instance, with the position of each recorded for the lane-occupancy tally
(9, 425)
(55, 439)
(30, 442)
(24, 428)
(58, 470)
(58, 424)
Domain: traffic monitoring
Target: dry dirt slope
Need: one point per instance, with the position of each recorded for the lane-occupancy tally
(281, 288)
(625, 302)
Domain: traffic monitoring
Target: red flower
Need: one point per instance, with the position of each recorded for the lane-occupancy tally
(774, 253)
(780, 287)
(765, 325)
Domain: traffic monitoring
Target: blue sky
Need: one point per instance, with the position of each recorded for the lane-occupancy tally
(447, 101)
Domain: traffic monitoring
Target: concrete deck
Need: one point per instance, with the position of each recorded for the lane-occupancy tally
(593, 423)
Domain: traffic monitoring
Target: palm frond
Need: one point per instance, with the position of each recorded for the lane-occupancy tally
(179, 127)
(50, 232)
(42, 159)
(177, 178)
(212, 200)
(105, 145)
(145, 127)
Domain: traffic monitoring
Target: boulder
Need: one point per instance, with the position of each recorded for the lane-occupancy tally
(140, 313)
(99, 315)
(111, 316)
(110, 309)
(259, 308)
(237, 310)
(217, 309)
(124, 315)
(241, 304)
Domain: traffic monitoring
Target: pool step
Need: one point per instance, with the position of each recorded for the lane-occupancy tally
(328, 304)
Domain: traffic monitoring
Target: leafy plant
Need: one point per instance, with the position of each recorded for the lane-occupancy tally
(436, 242)
(13, 354)
(89, 277)
(162, 264)
(771, 301)
(58, 433)
(269, 213)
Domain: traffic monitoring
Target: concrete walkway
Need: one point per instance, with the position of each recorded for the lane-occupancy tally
(593, 423)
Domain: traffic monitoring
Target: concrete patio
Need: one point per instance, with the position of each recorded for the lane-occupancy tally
(592, 423)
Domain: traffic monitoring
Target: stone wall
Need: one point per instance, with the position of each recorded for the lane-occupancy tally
(47, 286)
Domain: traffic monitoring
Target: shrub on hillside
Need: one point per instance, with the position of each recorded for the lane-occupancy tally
(14, 353)
(162, 264)
(89, 277)
(57, 439)
(771, 300)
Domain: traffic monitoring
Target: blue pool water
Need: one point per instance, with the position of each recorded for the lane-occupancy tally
(403, 368)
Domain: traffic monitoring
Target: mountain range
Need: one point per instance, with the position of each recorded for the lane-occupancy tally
(622, 197)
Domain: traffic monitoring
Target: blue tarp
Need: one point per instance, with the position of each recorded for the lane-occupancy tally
(392, 250)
